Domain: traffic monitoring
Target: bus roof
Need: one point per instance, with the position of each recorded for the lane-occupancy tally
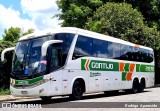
(80, 32)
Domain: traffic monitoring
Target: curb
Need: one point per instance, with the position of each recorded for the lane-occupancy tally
(12, 98)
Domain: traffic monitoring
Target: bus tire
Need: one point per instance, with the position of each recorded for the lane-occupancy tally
(46, 98)
(142, 85)
(77, 91)
(135, 86)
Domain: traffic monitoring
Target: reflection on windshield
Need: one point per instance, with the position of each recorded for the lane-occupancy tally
(28, 56)
(29, 61)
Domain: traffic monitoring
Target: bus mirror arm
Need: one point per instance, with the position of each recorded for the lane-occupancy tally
(4, 51)
(75, 56)
(47, 44)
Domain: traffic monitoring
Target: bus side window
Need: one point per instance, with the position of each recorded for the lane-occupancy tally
(135, 54)
(83, 47)
(55, 57)
(67, 39)
(150, 57)
(116, 50)
(100, 48)
(125, 52)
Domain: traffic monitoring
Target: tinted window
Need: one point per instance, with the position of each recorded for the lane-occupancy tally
(114, 50)
(67, 39)
(83, 47)
(146, 55)
(150, 56)
(135, 54)
(126, 53)
(100, 48)
(104, 49)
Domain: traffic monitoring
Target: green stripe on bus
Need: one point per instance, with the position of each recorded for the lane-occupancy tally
(97, 65)
(28, 81)
(83, 61)
(137, 67)
(126, 67)
(144, 68)
(124, 76)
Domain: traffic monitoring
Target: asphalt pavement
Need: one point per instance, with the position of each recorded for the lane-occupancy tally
(149, 99)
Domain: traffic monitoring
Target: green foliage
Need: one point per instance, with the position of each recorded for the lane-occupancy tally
(5, 44)
(150, 9)
(122, 21)
(12, 34)
(150, 37)
(75, 12)
(4, 91)
(29, 31)
(5, 67)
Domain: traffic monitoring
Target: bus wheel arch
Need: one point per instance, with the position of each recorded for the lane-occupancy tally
(78, 88)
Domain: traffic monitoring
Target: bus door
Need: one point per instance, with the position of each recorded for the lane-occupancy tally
(55, 65)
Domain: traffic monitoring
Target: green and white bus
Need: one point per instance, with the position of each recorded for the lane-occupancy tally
(72, 61)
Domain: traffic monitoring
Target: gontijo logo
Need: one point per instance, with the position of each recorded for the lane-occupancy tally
(87, 64)
(23, 82)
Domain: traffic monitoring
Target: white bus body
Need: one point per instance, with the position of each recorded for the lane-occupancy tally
(97, 63)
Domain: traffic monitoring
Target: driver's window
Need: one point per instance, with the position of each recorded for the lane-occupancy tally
(55, 58)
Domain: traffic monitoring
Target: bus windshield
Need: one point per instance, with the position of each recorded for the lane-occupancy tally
(27, 58)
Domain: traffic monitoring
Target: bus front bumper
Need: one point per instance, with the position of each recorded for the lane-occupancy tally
(37, 91)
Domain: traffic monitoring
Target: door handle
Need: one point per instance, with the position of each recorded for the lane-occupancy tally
(96, 79)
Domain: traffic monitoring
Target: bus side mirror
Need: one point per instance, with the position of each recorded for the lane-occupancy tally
(4, 51)
(47, 44)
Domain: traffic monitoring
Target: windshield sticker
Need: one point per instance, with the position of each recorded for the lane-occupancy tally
(43, 62)
(26, 71)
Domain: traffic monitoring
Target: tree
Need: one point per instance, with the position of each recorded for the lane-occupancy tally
(150, 9)
(122, 21)
(12, 34)
(5, 67)
(29, 31)
(75, 12)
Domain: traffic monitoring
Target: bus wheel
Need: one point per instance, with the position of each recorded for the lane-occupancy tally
(77, 91)
(135, 86)
(142, 85)
(46, 98)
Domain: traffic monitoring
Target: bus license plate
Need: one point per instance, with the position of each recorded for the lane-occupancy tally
(24, 92)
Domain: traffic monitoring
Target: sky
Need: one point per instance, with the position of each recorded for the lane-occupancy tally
(27, 14)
